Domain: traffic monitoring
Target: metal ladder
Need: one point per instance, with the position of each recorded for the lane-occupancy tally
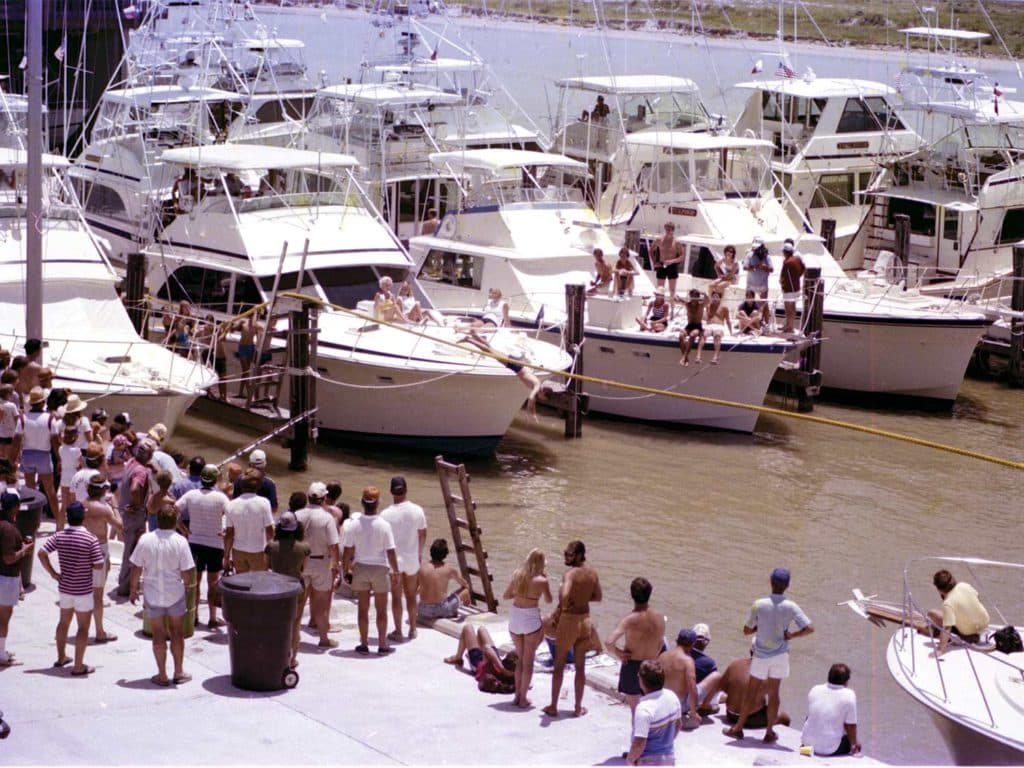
(446, 472)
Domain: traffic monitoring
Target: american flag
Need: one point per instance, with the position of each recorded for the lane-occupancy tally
(898, 82)
(783, 70)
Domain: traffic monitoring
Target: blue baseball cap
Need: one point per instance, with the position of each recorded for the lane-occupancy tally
(686, 637)
(780, 576)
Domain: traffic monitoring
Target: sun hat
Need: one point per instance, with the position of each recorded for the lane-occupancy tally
(317, 490)
(36, 396)
(75, 404)
(158, 432)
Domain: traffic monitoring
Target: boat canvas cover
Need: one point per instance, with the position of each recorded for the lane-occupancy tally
(72, 311)
(543, 281)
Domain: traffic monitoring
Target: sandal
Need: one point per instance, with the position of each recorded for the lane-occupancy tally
(184, 677)
(107, 638)
(163, 682)
(82, 672)
(384, 650)
(362, 648)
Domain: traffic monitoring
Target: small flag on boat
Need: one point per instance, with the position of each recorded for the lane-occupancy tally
(59, 53)
(758, 67)
(23, 64)
(898, 82)
(433, 56)
(783, 70)
(130, 12)
(996, 93)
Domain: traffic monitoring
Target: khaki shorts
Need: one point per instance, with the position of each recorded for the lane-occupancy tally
(248, 561)
(374, 578)
(76, 603)
(99, 578)
(318, 574)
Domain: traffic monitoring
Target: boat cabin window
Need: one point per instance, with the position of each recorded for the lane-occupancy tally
(922, 215)
(833, 189)
(204, 288)
(280, 110)
(461, 269)
(347, 286)
(870, 114)
(795, 110)
(247, 293)
(1012, 230)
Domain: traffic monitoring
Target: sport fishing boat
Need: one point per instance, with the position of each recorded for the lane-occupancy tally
(91, 344)
(719, 191)
(974, 691)
(524, 228)
(275, 218)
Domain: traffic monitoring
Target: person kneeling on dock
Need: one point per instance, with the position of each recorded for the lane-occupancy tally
(434, 578)
(493, 673)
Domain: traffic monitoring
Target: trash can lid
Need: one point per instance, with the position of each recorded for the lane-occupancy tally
(261, 585)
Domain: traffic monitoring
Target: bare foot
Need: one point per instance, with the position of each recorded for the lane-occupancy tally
(714, 361)
(580, 712)
(550, 710)
(770, 737)
(698, 360)
(733, 733)
(524, 704)
(456, 660)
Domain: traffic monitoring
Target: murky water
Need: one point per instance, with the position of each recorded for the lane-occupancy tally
(706, 516)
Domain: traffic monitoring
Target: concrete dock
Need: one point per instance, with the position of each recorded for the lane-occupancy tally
(406, 708)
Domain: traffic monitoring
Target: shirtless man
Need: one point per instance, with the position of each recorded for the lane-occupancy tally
(100, 518)
(248, 331)
(733, 684)
(28, 376)
(667, 253)
(681, 673)
(434, 600)
(580, 587)
(602, 274)
(718, 322)
(625, 273)
(694, 326)
(643, 633)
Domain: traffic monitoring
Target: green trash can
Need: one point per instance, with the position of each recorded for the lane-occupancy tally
(29, 514)
(259, 608)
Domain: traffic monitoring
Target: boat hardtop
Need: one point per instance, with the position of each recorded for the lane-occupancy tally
(495, 161)
(18, 158)
(694, 142)
(251, 157)
(630, 85)
(150, 95)
(389, 94)
(820, 87)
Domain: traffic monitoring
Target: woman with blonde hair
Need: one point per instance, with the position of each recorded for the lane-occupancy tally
(529, 584)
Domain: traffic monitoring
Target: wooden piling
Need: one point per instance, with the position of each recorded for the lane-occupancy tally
(575, 300)
(828, 234)
(1015, 374)
(901, 251)
(301, 330)
(135, 292)
(811, 322)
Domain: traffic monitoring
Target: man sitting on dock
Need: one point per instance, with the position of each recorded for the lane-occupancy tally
(434, 577)
(831, 726)
(962, 613)
(681, 673)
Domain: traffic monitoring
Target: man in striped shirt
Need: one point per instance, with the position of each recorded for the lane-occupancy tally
(656, 721)
(80, 555)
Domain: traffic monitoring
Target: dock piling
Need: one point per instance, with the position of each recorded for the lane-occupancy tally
(575, 300)
(1015, 374)
(135, 292)
(301, 332)
(901, 251)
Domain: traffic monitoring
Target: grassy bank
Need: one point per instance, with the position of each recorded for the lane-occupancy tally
(850, 22)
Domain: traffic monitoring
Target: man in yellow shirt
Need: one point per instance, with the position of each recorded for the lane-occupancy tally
(962, 612)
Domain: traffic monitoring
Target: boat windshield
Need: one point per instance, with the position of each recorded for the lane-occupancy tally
(534, 184)
(732, 172)
(347, 286)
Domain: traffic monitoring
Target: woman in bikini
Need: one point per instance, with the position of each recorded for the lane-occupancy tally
(386, 306)
(529, 584)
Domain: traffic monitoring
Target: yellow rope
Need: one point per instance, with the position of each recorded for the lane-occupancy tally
(823, 421)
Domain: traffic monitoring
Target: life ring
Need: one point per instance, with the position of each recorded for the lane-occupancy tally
(447, 228)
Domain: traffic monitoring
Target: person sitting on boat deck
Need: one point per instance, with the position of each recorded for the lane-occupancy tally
(274, 183)
(666, 253)
(831, 725)
(529, 585)
(518, 368)
(235, 187)
(730, 686)
(717, 316)
(493, 673)
(625, 273)
(727, 270)
(789, 281)
(187, 191)
(411, 309)
(658, 314)
(962, 613)
(431, 223)
(748, 314)
(681, 674)
(694, 330)
(759, 266)
(385, 304)
(602, 274)
(584, 116)
(435, 602)
(643, 637)
(600, 111)
(657, 722)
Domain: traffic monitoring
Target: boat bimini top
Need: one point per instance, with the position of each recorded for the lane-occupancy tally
(252, 157)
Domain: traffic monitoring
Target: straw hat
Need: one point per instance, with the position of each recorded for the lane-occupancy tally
(36, 396)
(75, 404)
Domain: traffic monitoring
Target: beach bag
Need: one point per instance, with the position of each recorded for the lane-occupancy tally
(1008, 640)
(491, 684)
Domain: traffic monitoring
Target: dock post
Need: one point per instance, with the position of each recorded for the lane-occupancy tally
(828, 234)
(901, 255)
(299, 385)
(575, 299)
(1015, 375)
(135, 292)
(812, 321)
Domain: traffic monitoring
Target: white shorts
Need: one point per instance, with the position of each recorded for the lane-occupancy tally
(76, 603)
(794, 296)
(776, 667)
(10, 589)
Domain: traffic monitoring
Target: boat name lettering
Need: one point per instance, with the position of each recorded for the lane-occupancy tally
(853, 145)
(676, 211)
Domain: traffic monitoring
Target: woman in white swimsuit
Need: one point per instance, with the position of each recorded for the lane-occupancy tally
(529, 584)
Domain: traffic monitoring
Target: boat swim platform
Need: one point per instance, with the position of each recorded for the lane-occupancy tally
(406, 708)
(258, 417)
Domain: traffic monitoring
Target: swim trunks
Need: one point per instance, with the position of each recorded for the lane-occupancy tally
(694, 327)
(446, 609)
(574, 630)
(523, 621)
(758, 719)
(670, 272)
(629, 678)
(246, 352)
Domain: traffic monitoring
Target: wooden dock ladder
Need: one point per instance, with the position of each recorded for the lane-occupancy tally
(446, 472)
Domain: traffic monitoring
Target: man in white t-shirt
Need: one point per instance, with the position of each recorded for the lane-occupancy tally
(831, 726)
(656, 721)
(202, 512)
(94, 457)
(368, 549)
(249, 527)
(163, 561)
(409, 528)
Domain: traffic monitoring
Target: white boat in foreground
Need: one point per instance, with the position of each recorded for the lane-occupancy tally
(975, 693)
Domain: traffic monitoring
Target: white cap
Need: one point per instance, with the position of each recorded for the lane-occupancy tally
(317, 490)
(258, 459)
(702, 630)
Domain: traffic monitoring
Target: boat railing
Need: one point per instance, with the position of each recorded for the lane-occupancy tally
(913, 613)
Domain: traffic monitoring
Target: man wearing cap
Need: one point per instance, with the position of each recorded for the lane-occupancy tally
(13, 547)
(321, 572)
(681, 675)
(133, 495)
(161, 458)
(287, 555)
(704, 664)
(80, 555)
(192, 480)
(769, 620)
(123, 421)
(368, 550)
(268, 488)
(100, 518)
(790, 274)
(759, 266)
(163, 562)
(250, 527)
(409, 528)
(93, 455)
(202, 510)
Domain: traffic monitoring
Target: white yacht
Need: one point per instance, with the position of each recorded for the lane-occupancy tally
(718, 191)
(91, 344)
(974, 692)
(832, 137)
(310, 230)
(525, 229)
